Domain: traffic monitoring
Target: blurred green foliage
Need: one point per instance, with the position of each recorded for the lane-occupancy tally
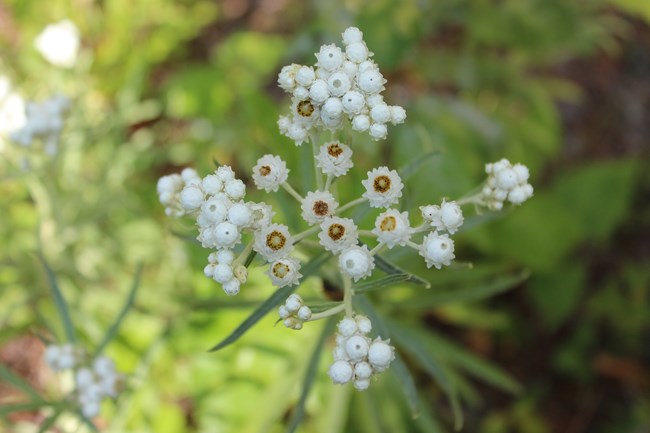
(163, 84)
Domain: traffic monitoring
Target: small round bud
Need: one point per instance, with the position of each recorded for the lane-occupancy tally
(357, 52)
(283, 312)
(378, 131)
(225, 256)
(352, 35)
(304, 313)
(371, 81)
(235, 189)
(240, 215)
(347, 326)
(340, 372)
(380, 354)
(226, 234)
(222, 273)
(353, 102)
(192, 197)
(301, 93)
(211, 184)
(363, 324)
(305, 76)
(231, 287)
(380, 113)
(361, 384)
(356, 347)
(338, 83)
(362, 370)
(360, 122)
(241, 273)
(319, 92)
(293, 303)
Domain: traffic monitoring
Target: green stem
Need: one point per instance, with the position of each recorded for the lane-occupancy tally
(347, 295)
(328, 182)
(317, 172)
(350, 204)
(244, 254)
(327, 313)
(291, 191)
(300, 236)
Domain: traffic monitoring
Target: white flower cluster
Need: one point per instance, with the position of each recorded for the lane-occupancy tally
(506, 182)
(356, 357)
(93, 381)
(222, 215)
(294, 312)
(59, 43)
(62, 357)
(96, 382)
(342, 84)
(437, 248)
(44, 121)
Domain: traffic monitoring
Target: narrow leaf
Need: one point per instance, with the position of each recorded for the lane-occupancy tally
(322, 306)
(415, 164)
(250, 258)
(125, 309)
(59, 301)
(398, 367)
(381, 283)
(273, 301)
(19, 383)
(391, 268)
(310, 376)
(6, 409)
(474, 293)
(421, 354)
(49, 422)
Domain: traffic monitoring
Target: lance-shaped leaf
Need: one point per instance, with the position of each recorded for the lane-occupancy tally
(415, 164)
(273, 301)
(19, 383)
(59, 301)
(310, 376)
(431, 365)
(381, 283)
(130, 299)
(436, 298)
(391, 268)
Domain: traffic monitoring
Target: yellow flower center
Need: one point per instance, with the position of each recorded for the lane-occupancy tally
(305, 108)
(336, 231)
(334, 150)
(388, 224)
(265, 170)
(321, 208)
(280, 270)
(382, 183)
(275, 240)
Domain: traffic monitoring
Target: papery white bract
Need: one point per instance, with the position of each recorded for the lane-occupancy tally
(59, 43)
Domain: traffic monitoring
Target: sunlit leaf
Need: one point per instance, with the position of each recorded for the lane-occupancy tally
(59, 301)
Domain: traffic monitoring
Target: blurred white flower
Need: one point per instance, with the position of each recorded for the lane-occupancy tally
(59, 43)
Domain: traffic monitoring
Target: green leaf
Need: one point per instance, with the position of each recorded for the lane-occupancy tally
(250, 258)
(419, 351)
(49, 422)
(391, 268)
(436, 298)
(21, 407)
(322, 306)
(397, 367)
(19, 383)
(458, 356)
(120, 317)
(381, 283)
(310, 376)
(61, 305)
(273, 301)
(415, 164)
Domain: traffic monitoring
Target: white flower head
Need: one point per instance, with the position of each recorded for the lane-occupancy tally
(287, 77)
(341, 372)
(59, 43)
(356, 262)
(380, 354)
(305, 112)
(334, 158)
(506, 182)
(284, 272)
(330, 57)
(269, 172)
(383, 187)
(318, 205)
(437, 250)
(338, 234)
(273, 242)
(261, 214)
(393, 228)
(446, 217)
(352, 35)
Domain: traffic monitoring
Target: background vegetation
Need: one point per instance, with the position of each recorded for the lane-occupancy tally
(561, 86)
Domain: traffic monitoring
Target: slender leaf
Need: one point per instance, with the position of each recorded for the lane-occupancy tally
(6, 409)
(120, 317)
(391, 268)
(397, 367)
(19, 383)
(474, 293)
(381, 283)
(49, 422)
(310, 376)
(470, 363)
(250, 258)
(59, 301)
(415, 164)
(273, 301)
(426, 359)
(322, 306)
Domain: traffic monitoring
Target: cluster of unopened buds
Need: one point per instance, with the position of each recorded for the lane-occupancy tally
(94, 379)
(217, 203)
(44, 121)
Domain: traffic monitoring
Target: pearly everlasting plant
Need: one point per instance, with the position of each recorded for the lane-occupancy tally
(342, 90)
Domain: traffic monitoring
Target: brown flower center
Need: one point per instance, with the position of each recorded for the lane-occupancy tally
(280, 270)
(321, 208)
(336, 231)
(275, 240)
(382, 183)
(265, 170)
(334, 150)
(305, 108)
(388, 224)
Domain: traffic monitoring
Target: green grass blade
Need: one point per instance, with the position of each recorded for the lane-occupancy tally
(59, 301)
(310, 376)
(19, 383)
(483, 290)
(6, 409)
(391, 268)
(398, 367)
(49, 422)
(130, 299)
(415, 164)
(273, 301)
(380, 283)
(471, 364)
(418, 349)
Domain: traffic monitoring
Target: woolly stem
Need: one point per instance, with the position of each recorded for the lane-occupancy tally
(327, 313)
(291, 191)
